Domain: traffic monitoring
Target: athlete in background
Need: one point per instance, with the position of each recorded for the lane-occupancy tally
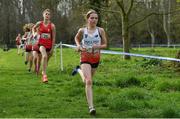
(18, 43)
(47, 32)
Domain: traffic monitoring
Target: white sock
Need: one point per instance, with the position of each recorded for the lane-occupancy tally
(78, 70)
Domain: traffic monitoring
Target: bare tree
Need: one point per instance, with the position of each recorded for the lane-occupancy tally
(166, 7)
(125, 13)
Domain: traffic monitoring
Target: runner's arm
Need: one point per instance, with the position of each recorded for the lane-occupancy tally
(35, 27)
(103, 40)
(53, 36)
(78, 38)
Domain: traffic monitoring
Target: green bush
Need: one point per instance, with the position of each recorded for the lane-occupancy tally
(147, 81)
(169, 112)
(151, 62)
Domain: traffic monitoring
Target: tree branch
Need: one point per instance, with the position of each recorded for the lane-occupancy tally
(131, 25)
(153, 13)
(130, 8)
(111, 11)
(120, 3)
(116, 18)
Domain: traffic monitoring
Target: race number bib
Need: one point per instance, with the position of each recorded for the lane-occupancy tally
(88, 45)
(45, 35)
(88, 48)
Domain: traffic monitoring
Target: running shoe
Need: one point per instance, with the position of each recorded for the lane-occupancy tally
(92, 111)
(75, 70)
(44, 78)
(25, 62)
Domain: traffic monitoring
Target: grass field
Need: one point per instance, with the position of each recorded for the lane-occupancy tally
(135, 88)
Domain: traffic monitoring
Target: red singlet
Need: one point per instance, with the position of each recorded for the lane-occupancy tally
(45, 33)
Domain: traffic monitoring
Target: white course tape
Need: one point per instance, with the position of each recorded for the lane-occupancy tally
(139, 55)
(130, 54)
(71, 46)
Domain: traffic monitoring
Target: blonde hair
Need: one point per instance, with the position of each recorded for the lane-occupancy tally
(46, 10)
(31, 25)
(28, 27)
(89, 13)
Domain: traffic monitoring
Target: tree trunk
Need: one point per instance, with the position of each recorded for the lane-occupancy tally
(125, 36)
(151, 32)
(166, 21)
(169, 24)
(5, 22)
(152, 39)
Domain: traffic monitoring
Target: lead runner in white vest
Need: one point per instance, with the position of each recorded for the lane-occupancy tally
(89, 40)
